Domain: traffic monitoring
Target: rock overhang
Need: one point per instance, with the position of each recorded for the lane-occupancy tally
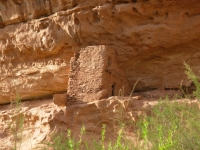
(151, 40)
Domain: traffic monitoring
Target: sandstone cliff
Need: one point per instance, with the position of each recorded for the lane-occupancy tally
(151, 40)
(90, 48)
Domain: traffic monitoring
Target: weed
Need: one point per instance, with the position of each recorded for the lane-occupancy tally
(183, 92)
(16, 126)
(103, 136)
(62, 141)
(172, 126)
(144, 129)
(191, 75)
(119, 145)
(133, 88)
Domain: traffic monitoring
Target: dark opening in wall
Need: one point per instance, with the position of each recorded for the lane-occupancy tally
(113, 89)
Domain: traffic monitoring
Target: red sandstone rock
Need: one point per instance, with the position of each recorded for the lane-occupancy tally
(151, 40)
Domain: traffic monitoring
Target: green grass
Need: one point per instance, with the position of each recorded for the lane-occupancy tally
(172, 126)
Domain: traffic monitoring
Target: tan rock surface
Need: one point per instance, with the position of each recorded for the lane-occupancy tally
(36, 126)
(33, 63)
(60, 99)
(151, 40)
(42, 118)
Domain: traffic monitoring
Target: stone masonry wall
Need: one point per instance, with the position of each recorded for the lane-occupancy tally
(114, 80)
(94, 75)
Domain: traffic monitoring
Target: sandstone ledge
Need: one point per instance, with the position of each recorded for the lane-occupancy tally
(151, 41)
(42, 118)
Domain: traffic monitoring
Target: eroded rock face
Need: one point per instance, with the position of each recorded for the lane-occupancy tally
(31, 122)
(34, 60)
(41, 119)
(15, 11)
(151, 40)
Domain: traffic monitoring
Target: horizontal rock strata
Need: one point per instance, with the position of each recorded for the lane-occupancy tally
(151, 40)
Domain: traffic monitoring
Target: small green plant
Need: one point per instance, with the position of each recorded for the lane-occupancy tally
(183, 92)
(119, 144)
(16, 126)
(81, 137)
(103, 137)
(144, 129)
(165, 142)
(191, 75)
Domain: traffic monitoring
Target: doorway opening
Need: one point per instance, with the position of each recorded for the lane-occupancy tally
(113, 90)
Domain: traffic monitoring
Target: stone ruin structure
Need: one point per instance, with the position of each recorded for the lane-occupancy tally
(94, 74)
